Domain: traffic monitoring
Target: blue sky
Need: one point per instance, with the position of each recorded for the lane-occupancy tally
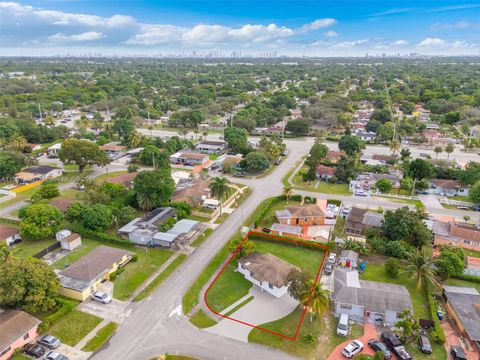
(295, 28)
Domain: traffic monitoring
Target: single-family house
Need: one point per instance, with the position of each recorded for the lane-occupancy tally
(180, 229)
(114, 151)
(370, 301)
(358, 220)
(333, 156)
(348, 259)
(211, 147)
(325, 172)
(464, 235)
(384, 159)
(192, 191)
(313, 214)
(463, 306)
(472, 266)
(365, 135)
(286, 230)
(188, 158)
(142, 230)
(447, 187)
(266, 271)
(17, 328)
(54, 150)
(68, 240)
(124, 179)
(81, 279)
(9, 234)
(367, 180)
(37, 173)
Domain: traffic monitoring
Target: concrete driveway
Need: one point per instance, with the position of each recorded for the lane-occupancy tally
(430, 201)
(262, 309)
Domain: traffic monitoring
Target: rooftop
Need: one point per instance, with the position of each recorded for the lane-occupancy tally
(14, 324)
(291, 229)
(465, 301)
(7, 231)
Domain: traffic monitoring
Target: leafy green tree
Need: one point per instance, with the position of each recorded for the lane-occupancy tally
(220, 190)
(297, 283)
(407, 107)
(151, 155)
(346, 169)
(97, 217)
(384, 185)
(300, 127)
(247, 248)
(153, 188)
(271, 147)
(475, 193)
(124, 127)
(287, 192)
(420, 169)
(317, 154)
(449, 149)
(11, 162)
(48, 190)
(82, 153)
(471, 174)
(405, 153)
(450, 263)
(39, 221)
(352, 145)
(406, 225)
(408, 324)
(134, 139)
(381, 115)
(392, 267)
(437, 150)
(29, 284)
(237, 140)
(452, 117)
(256, 161)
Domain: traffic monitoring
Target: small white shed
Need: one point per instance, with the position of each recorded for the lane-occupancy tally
(68, 240)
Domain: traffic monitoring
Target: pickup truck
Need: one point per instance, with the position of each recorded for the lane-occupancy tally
(395, 345)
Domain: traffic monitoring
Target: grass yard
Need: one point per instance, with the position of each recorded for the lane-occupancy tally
(323, 186)
(461, 198)
(107, 176)
(473, 253)
(160, 278)
(74, 326)
(213, 157)
(72, 194)
(302, 257)
(398, 200)
(242, 304)
(458, 282)
(201, 320)
(221, 218)
(323, 330)
(229, 287)
(28, 248)
(201, 238)
(198, 218)
(69, 176)
(101, 337)
(24, 195)
(20, 356)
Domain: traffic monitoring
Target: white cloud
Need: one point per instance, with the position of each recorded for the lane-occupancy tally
(394, 11)
(318, 24)
(400, 43)
(350, 44)
(330, 33)
(431, 42)
(86, 36)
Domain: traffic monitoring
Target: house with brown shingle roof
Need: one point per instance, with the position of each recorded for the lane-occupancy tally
(266, 271)
(124, 179)
(313, 214)
(81, 279)
(448, 187)
(325, 172)
(17, 328)
(9, 234)
(333, 156)
(193, 192)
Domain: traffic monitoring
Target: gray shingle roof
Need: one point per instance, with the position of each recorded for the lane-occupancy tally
(291, 229)
(465, 302)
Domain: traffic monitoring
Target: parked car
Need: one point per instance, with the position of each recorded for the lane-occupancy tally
(328, 269)
(34, 350)
(395, 345)
(277, 161)
(422, 192)
(360, 193)
(426, 156)
(332, 258)
(463, 207)
(52, 355)
(352, 349)
(424, 343)
(458, 353)
(102, 297)
(239, 174)
(285, 152)
(440, 314)
(342, 327)
(49, 341)
(379, 346)
(476, 208)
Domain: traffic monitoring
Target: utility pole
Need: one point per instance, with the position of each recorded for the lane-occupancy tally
(40, 111)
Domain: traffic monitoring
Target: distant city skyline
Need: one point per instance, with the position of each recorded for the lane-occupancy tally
(235, 28)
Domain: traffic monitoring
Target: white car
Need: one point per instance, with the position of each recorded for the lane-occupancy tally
(360, 193)
(332, 258)
(352, 349)
(102, 297)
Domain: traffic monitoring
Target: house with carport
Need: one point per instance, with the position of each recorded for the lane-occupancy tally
(17, 328)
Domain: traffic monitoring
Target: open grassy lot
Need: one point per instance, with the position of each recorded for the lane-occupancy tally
(200, 239)
(460, 198)
(107, 176)
(101, 337)
(323, 330)
(135, 273)
(320, 186)
(399, 200)
(28, 248)
(198, 218)
(201, 320)
(270, 218)
(229, 287)
(74, 326)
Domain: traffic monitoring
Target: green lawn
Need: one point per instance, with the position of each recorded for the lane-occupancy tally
(201, 238)
(135, 272)
(101, 337)
(323, 330)
(323, 186)
(221, 218)
(460, 198)
(20, 356)
(242, 304)
(107, 176)
(74, 326)
(399, 200)
(229, 287)
(28, 248)
(73, 175)
(24, 195)
(473, 253)
(72, 194)
(201, 320)
(160, 278)
(302, 257)
(213, 156)
(198, 218)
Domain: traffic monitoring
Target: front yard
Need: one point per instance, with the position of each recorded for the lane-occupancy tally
(320, 186)
(74, 326)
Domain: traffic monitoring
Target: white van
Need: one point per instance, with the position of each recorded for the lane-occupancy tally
(342, 327)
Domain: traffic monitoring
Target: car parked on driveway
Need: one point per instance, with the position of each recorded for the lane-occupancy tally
(424, 343)
(34, 350)
(352, 349)
(379, 346)
(101, 297)
(395, 345)
(328, 269)
(458, 353)
(49, 341)
(52, 355)
(332, 258)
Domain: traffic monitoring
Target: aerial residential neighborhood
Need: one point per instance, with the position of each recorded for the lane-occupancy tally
(208, 180)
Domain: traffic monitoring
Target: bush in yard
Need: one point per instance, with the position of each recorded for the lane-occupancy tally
(356, 246)
(63, 308)
(308, 339)
(384, 185)
(39, 221)
(296, 197)
(256, 161)
(392, 267)
(48, 190)
(133, 168)
(437, 332)
(134, 258)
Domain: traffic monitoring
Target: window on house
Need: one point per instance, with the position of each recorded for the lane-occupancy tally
(26, 336)
(346, 307)
(5, 351)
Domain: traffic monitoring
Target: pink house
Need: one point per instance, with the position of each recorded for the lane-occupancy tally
(17, 328)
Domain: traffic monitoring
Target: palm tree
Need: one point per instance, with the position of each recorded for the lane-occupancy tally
(220, 189)
(288, 192)
(395, 146)
(18, 142)
(319, 300)
(145, 201)
(134, 139)
(419, 264)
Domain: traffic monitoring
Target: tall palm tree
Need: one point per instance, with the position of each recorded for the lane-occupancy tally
(134, 139)
(220, 189)
(145, 201)
(288, 192)
(395, 146)
(319, 300)
(419, 264)
(18, 141)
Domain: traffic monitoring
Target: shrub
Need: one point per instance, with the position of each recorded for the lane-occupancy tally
(471, 278)
(437, 332)
(296, 197)
(132, 168)
(100, 236)
(392, 267)
(63, 308)
(308, 339)
(356, 246)
(334, 201)
(134, 258)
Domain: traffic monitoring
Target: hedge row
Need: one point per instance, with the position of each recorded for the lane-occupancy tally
(63, 308)
(466, 277)
(99, 236)
(266, 208)
(288, 241)
(437, 332)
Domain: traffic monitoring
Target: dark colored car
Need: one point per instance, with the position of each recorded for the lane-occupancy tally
(379, 346)
(476, 208)
(328, 269)
(424, 343)
(278, 161)
(34, 350)
(49, 341)
(395, 345)
(458, 353)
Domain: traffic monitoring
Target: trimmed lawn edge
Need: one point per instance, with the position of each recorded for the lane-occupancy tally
(101, 337)
(242, 304)
(202, 320)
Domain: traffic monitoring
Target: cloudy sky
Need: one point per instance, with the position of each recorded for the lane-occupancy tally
(295, 28)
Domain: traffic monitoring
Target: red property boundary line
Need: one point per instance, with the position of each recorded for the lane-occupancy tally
(280, 239)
